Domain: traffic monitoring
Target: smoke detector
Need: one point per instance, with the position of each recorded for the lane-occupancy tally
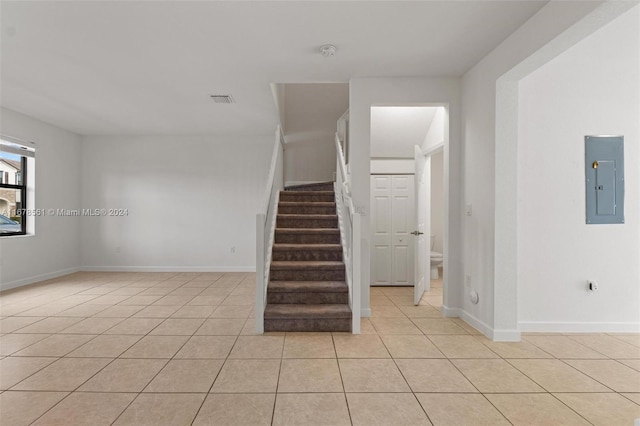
(328, 50)
(222, 99)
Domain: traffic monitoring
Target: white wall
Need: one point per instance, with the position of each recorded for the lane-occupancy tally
(437, 200)
(593, 88)
(278, 97)
(54, 250)
(435, 135)
(489, 256)
(367, 92)
(190, 199)
(311, 112)
(395, 130)
(392, 166)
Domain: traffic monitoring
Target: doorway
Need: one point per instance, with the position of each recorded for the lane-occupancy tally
(403, 138)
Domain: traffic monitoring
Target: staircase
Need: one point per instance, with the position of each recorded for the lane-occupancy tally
(307, 289)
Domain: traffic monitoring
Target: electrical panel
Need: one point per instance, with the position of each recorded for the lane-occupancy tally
(604, 179)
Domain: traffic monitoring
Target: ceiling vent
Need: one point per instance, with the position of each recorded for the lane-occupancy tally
(222, 99)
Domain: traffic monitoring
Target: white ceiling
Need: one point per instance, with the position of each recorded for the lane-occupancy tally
(147, 67)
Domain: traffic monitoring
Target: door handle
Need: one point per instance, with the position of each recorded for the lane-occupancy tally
(416, 233)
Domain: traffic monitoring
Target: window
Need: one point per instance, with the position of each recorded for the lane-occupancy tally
(14, 177)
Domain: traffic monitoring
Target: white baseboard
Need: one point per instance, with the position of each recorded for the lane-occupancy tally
(168, 268)
(62, 272)
(38, 278)
(579, 327)
(481, 326)
(504, 335)
(450, 312)
(365, 313)
(511, 335)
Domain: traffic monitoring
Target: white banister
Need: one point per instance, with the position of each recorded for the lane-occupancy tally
(349, 222)
(355, 266)
(260, 279)
(265, 227)
(342, 129)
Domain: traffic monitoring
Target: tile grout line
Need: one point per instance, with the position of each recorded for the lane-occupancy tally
(140, 393)
(217, 374)
(275, 398)
(406, 381)
(547, 391)
(95, 374)
(106, 365)
(344, 390)
(563, 360)
(229, 292)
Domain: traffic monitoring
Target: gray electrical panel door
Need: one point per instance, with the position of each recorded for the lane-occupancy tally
(604, 179)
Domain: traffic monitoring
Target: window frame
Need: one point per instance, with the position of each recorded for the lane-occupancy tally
(23, 199)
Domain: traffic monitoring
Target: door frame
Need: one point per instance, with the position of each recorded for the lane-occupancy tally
(422, 203)
(428, 153)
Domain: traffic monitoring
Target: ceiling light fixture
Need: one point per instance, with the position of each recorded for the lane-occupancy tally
(328, 50)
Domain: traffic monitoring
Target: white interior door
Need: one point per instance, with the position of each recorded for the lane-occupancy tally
(422, 233)
(402, 224)
(381, 249)
(392, 221)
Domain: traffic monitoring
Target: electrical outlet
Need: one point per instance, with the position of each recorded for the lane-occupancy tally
(592, 286)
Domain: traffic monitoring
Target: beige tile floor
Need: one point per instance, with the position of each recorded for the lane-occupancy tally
(179, 348)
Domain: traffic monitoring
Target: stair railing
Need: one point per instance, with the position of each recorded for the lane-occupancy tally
(266, 225)
(349, 221)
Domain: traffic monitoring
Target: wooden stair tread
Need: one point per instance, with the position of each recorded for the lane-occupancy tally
(284, 311)
(308, 287)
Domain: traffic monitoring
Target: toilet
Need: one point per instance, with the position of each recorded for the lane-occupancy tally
(436, 260)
